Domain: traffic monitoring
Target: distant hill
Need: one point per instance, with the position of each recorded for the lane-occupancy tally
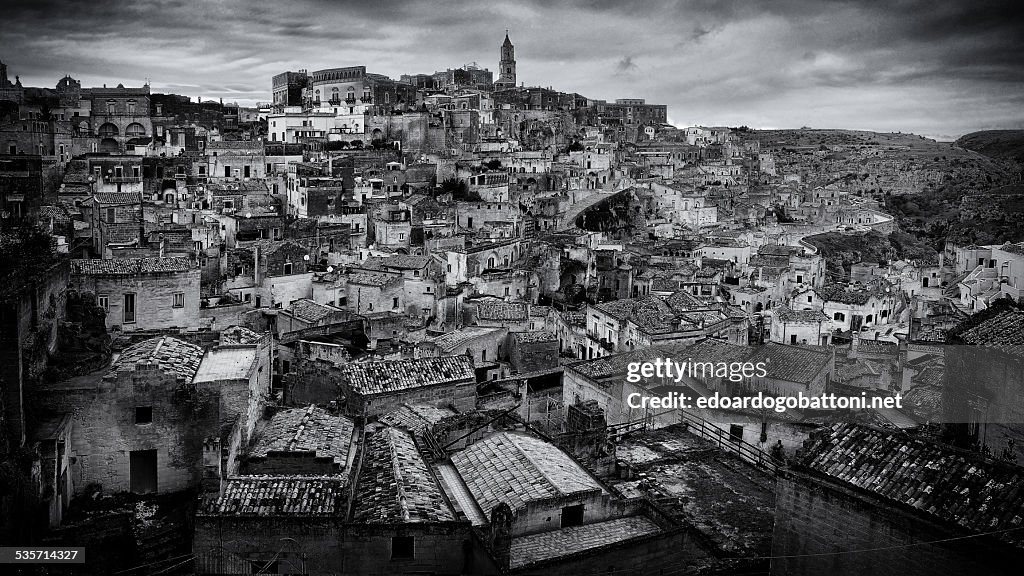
(1001, 144)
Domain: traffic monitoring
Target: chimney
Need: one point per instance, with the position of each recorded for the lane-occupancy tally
(500, 537)
(213, 478)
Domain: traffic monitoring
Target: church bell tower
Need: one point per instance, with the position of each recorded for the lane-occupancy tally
(507, 66)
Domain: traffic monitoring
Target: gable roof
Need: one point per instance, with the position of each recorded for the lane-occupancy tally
(169, 354)
(963, 488)
(130, 266)
(311, 430)
(395, 484)
(517, 468)
(396, 375)
(279, 496)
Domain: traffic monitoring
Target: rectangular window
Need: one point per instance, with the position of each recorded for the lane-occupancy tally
(131, 107)
(245, 171)
(287, 267)
(103, 301)
(227, 171)
(394, 302)
(129, 308)
(143, 414)
(179, 300)
(572, 516)
(403, 547)
(110, 215)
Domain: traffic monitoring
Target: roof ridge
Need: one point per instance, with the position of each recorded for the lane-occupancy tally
(532, 462)
(403, 502)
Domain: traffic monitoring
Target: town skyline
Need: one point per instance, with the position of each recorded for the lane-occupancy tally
(941, 72)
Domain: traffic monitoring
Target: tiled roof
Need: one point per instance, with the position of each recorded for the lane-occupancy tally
(787, 314)
(415, 417)
(538, 311)
(170, 354)
(131, 266)
(618, 309)
(279, 496)
(558, 543)
(310, 311)
(790, 363)
(268, 246)
(404, 261)
(396, 375)
(454, 340)
(534, 336)
(877, 347)
(395, 484)
(502, 311)
(371, 278)
(1004, 329)
(238, 335)
(847, 294)
(959, 487)
(118, 198)
(309, 429)
(517, 468)
(614, 364)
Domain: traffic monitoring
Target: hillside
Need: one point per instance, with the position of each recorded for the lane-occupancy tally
(999, 144)
(843, 250)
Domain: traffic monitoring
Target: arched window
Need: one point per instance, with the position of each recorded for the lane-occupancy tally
(135, 130)
(108, 130)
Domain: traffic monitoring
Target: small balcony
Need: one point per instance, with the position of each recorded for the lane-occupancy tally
(122, 179)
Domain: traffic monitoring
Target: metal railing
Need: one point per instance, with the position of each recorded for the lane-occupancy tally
(726, 441)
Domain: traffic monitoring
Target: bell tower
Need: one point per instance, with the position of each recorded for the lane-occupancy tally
(507, 65)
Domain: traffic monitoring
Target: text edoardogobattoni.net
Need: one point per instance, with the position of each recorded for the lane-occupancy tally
(669, 369)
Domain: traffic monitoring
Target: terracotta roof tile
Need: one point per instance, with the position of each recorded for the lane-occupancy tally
(978, 494)
(395, 484)
(279, 496)
(516, 468)
(312, 430)
(395, 375)
(169, 354)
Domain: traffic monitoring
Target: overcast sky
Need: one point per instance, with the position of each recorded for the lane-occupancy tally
(936, 68)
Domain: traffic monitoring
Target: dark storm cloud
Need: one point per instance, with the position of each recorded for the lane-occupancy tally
(938, 68)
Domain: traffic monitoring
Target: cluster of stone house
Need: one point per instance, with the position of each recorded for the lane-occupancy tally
(385, 326)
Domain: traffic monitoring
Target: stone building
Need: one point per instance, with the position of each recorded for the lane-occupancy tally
(921, 508)
(142, 293)
(140, 427)
(303, 441)
(374, 388)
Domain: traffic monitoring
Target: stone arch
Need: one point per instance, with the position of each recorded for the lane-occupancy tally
(135, 130)
(108, 130)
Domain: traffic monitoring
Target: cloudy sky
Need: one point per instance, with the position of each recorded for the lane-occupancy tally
(931, 67)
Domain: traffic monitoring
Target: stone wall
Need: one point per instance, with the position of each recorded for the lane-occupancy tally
(154, 298)
(105, 433)
(815, 519)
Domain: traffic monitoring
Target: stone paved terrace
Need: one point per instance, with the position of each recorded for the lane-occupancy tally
(557, 543)
(729, 501)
